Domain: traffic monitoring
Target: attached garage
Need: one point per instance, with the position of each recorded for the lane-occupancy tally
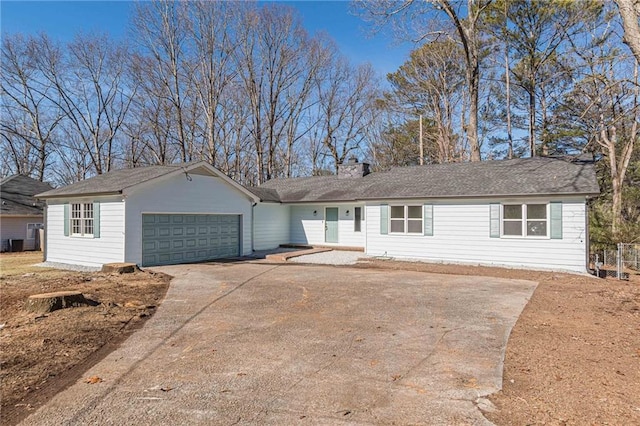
(158, 215)
(169, 239)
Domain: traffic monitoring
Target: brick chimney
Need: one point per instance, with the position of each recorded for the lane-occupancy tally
(352, 168)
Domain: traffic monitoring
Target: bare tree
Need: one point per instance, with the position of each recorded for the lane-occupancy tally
(604, 107)
(89, 88)
(161, 29)
(346, 108)
(29, 120)
(465, 20)
(212, 31)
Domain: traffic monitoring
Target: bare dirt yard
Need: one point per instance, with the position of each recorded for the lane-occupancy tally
(573, 357)
(43, 354)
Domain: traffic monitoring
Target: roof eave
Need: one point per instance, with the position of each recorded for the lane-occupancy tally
(423, 197)
(81, 195)
(521, 195)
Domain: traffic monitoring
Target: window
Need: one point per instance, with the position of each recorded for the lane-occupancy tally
(406, 219)
(357, 219)
(82, 219)
(529, 220)
(32, 229)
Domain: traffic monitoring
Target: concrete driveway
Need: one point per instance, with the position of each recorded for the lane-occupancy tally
(257, 343)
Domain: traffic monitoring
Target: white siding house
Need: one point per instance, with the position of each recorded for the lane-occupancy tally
(86, 250)
(309, 223)
(271, 225)
(461, 233)
(203, 194)
(148, 216)
(524, 213)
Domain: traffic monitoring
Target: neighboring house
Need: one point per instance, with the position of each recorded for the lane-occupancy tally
(528, 213)
(21, 215)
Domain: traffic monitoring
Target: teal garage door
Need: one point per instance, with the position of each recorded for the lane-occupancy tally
(169, 239)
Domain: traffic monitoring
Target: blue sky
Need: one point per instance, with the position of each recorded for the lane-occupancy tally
(62, 19)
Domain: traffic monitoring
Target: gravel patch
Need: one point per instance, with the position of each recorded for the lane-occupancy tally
(333, 257)
(68, 267)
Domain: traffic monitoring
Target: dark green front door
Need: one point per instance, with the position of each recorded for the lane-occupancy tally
(185, 238)
(331, 225)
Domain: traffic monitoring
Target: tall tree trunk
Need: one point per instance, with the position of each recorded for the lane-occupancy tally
(630, 12)
(532, 118)
(507, 74)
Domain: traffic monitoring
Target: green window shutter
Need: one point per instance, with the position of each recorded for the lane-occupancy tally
(384, 219)
(66, 219)
(494, 220)
(96, 220)
(556, 220)
(428, 220)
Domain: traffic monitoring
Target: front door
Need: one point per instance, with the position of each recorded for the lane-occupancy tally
(331, 225)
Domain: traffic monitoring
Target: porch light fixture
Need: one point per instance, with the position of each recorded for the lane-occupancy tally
(347, 212)
(315, 212)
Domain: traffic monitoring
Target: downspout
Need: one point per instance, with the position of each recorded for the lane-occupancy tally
(44, 243)
(586, 233)
(253, 223)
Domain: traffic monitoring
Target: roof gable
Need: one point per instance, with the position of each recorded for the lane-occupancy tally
(118, 181)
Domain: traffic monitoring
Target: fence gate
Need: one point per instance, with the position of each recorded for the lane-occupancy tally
(619, 263)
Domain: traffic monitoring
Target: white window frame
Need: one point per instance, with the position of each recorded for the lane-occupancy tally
(406, 219)
(524, 220)
(81, 219)
(35, 226)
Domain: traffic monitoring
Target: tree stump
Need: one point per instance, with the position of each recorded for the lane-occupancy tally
(120, 268)
(49, 302)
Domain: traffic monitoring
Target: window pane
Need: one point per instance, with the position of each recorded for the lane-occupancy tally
(397, 225)
(31, 231)
(88, 211)
(415, 212)
(75, 226)
(537, 228)
(512, 228)
(415, 226)
(397, 212)
(512, 211)
(536, 211)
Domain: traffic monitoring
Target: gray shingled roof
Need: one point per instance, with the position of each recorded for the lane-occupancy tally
(530, 176)
(113, 182)
(17, 196)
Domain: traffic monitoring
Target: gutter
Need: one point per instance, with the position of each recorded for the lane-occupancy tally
(81, 195)
(438, 197)
(253, 226)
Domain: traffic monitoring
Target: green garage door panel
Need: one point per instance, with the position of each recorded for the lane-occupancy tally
(184, 238)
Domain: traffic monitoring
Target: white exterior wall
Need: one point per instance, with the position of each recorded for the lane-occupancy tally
(461, 235)
(271, 225)
(87, 251)
(14, 227)
(175, 194)
(309, 229)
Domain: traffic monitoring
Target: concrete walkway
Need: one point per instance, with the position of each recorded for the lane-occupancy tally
(257, 343)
